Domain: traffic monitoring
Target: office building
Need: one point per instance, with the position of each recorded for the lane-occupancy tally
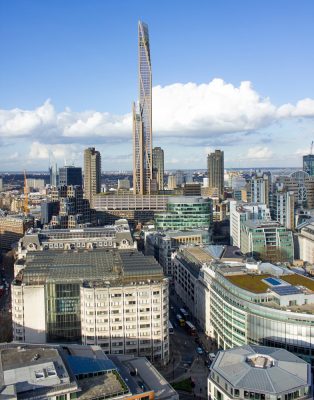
(73, 210)
(116, 236)
(259, 372)
(35, 183)
(241, 212)
(1, 184)
(306, 242)
(172, 182)
(117, 299)
(215, 168)
(136, 209)
(142, 118)
(253, 303)
(192, 189)
(47, 210)
(53, 175)
(77, 372)
(186, 212)
(12, 228)
(259, 188)
(308, 164)
(123, 184)
(282, 206)
(267, 241)
(92, 173)
(163, 245)
(70, 175)
(302, 186)
(158, 166)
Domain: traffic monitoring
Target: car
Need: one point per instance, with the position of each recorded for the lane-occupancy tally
(199, 350)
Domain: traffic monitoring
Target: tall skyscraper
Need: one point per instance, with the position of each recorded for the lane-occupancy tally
(142, 118)
(158, 166)
(70, 175)
(215, 165)
(92, 173)
(308, 164)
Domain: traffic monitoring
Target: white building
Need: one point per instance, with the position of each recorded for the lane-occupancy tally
(306, 243)
(240, 212)
(260, 185)
(117, 299)
(260, 373)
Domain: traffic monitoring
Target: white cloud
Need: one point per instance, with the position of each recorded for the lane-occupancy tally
(191, 110)
(259, 153)
(64, 152)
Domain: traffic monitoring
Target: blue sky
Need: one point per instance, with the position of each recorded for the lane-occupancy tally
(69, 76)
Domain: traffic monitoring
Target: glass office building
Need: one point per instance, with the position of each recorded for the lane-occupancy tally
(186, 213)
(308, 164)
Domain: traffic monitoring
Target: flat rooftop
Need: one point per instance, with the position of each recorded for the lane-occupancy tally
(299, 280)
(251, 283)
(199, 253)
(97, 265)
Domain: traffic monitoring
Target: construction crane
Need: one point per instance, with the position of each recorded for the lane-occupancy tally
(26, 208)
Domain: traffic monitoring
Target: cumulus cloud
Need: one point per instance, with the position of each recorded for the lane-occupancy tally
(259, 153)
(39, 151)
(201, 110)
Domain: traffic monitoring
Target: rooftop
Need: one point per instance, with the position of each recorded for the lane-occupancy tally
(299, 280)
(92, 266)
(264, 369)
(252, 283)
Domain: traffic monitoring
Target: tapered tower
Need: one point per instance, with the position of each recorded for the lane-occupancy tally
(142, 118)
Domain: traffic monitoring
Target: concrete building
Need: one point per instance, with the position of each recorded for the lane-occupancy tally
(215, 166)
(308, 164)
(172, 182)
(1, 184)
(47, 210)
(92, 173)
(306, 243)
(164, 245)
(142, 118)
(267, 241)
(302, 185)
(253, 303)
(192, 189)
(159, 166)
(258, 372)
(282, 206)
(116, 236)
(81, 372)
(12, 228)
(134, 208)
(35, 183)
(186, 212)
(123, 184)
(259, 188)
(73, 211)
(117, 299)
(70, 175)
(241, 212)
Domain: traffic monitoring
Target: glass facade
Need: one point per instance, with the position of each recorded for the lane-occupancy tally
(63, 312)
(185, 215)
(238, 320)
(308, 164)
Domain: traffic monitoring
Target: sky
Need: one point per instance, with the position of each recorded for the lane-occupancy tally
(229, 75)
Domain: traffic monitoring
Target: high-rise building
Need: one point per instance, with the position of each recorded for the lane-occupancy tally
(260, 185)
(53, 175)
(215, 165)
(70, 175)
(282, 206)
(158, 166)
(308, 164)
(92, 173)
(142, 118)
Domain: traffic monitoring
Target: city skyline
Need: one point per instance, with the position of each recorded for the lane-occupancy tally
(252, 107)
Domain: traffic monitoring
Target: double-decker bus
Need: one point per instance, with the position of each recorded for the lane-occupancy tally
(170, 326)
(180, 320)
(184, 313)
(190, 328)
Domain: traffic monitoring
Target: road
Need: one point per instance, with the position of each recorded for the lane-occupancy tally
(184, 360)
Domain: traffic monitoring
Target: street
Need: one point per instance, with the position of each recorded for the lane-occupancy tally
(184, 360)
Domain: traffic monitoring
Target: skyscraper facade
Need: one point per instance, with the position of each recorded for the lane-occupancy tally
(308, 164)
(158, 166)
(70, 175)
(215, 165)
(92, 173)
(142, 118)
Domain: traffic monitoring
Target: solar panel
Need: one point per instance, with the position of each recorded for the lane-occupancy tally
(286, 290)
